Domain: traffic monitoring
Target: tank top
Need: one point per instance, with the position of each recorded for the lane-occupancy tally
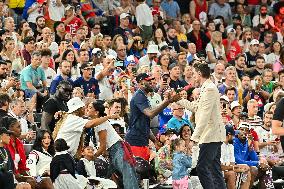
(199, 9)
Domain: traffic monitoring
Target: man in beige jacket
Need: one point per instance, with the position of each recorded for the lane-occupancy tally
(210, 131)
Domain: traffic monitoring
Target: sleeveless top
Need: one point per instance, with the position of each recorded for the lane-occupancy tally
(199, 9)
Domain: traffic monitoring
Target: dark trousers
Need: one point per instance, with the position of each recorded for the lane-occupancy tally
(209, 166)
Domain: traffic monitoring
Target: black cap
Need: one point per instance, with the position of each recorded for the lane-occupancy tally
(237, 16)
(230, 130)
(165, 47)
(86, 65)
(170, 131)
(4, 130)
(143, 76)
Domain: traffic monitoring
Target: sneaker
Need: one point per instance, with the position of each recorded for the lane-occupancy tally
(278, 181)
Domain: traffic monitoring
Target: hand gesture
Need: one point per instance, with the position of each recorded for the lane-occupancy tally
(114, 116)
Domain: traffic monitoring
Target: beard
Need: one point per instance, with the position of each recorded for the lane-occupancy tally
(231, 141)
(3, 76)
(148, 89)
(263, 14)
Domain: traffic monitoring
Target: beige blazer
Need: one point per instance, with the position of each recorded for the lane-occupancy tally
(208, 120)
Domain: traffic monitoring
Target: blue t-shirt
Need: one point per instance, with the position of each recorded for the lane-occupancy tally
(55, 82)
(90, 86)
(164, 117)
(29, 74)
(171, 8)
(176, 124)
(139, 124)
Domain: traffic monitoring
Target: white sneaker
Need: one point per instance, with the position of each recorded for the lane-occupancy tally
(278, 181)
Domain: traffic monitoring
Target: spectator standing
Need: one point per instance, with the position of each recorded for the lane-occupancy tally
(34, 11)
(144, 20)
(87, 82)
(209, 135)
(55, 11)
(171, 8)
(221, 8)
(139, 132)
(196, 7)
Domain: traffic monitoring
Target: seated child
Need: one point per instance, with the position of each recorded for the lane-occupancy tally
(86, 165)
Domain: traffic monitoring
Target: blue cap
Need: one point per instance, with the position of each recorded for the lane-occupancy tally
(230, 130)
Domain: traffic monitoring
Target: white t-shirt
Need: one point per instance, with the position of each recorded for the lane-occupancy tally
(37, 12)
(112, 136)
(227, 154)
(265, 136)
(56, 13)
(71, 131)
(272, 58)
(104, 85)
(144, 15)
(49, 74)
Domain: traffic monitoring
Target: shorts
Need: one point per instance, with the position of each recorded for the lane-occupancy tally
(141, 151)
(146, 32)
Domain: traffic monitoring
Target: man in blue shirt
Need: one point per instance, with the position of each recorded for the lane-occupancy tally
(32, 78)
(65, 69)
(139, 132)
(87, 82)
(177, 121)
(171, 8)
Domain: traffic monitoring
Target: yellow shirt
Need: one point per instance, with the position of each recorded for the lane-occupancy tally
(181, 37)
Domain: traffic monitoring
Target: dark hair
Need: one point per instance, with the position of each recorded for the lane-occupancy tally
(60, 145)
(281, 72)
(4, 98)
(45, 52)
(7, 121)
(176, 143)
(239, 56)
(230, 89)
(28, 39)
(181, 129)
(272, 49)
(112, 101)
(65, 53)
(4, 62)
(259, 57)
(204, 69)
(99, 106)
(38, 142)
(37, 18)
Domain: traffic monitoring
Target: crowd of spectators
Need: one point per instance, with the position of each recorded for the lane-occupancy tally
(90, 91)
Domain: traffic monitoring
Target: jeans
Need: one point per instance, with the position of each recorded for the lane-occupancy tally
(209, 166)
(128, 173)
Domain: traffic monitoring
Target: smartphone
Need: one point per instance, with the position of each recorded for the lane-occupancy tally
(118, 64)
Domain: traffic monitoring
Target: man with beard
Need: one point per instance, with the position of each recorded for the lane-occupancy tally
(218, 74)
(65, 69)
(240, 64)
(139, 132)
(228, 164)
(171, 39)
(54, 104)
(79, 38)
(263, 18)
(40, 24)
(181, 62)
(209, 131)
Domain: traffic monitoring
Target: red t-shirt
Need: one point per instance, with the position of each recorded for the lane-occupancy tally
(73, 26)
(234, 50)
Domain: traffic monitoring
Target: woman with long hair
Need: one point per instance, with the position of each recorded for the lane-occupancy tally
(158, 38)
(239, 31)
(164, 62)
(120, 156)
(279, 65)
(215, 49)
(41, 154)
(98, 42)
(276, 48)
(116, 40)
(10, 52)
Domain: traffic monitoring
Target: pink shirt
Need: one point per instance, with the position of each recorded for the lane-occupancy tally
(278, 66)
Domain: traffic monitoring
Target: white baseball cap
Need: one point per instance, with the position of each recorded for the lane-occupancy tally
(123, 15)
(235, 104)
(254, 42)
(224, 97)
(244, 125)
(75, 104)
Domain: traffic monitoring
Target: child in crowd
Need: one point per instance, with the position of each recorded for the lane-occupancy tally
(86, 165)
(181, 163)
(62, 168)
